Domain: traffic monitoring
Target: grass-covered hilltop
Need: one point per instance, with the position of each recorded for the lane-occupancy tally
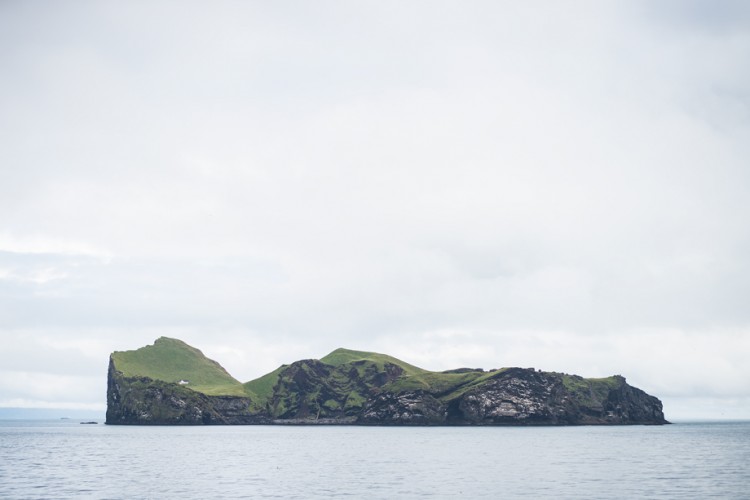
(171, 382)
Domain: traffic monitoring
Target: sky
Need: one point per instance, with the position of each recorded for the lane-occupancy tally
(558, 185)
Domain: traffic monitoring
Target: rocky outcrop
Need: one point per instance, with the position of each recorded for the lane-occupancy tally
(406, 408)
(376, 390)
(529, 397)
(310, 390)
(515, 396)
(519, 396)
(627, 404)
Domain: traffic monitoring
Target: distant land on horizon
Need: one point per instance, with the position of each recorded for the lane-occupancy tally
(17, 413)
(171, 382)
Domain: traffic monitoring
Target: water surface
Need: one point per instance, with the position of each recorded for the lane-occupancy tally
(63, 459)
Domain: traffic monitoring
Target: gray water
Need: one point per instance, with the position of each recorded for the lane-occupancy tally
(64, 459)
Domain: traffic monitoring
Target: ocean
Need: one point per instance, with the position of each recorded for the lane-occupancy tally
(64, 459)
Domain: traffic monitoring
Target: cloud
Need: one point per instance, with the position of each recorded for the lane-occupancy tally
(269, 183)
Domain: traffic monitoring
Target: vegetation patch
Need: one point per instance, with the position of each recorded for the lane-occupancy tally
(172, 360)
(591, 392)
(343, 356)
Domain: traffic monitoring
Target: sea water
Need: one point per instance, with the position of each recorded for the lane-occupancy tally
(63, 459)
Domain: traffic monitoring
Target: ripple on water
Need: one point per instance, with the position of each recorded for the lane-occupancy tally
(53, 460)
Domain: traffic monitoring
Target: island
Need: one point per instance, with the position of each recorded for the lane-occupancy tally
(173, 383)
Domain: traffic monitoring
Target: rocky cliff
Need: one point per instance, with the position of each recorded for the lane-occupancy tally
(143, 401)
(171, 383)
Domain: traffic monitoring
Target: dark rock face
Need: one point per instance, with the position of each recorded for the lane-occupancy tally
(519, 396)
(525, 396)
(514, 396)
(632, 405)
(310, 390)
(406, 408)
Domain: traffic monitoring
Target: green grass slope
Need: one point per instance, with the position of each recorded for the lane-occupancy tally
(591, 391)
(413, 378)
(443, 385)
(172, 360)
(343, 356)
(260, 389)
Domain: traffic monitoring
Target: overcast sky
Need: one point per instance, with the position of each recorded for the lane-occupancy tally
(559, 185)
